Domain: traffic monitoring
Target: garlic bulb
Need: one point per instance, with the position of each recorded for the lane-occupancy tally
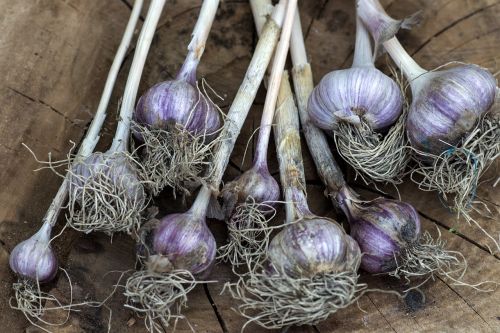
(313, 246)
(255, 184)
(383, 228)
(185, 240)
(361, 93)
(178, 103)
(354, 95)
(34, 258)
(447, 104)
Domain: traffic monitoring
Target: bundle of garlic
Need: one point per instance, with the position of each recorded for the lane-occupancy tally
(34, 260)
(178, 250)
(452, 125)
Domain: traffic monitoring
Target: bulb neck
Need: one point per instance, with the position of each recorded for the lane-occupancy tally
(345, 196)
(43, 234)
(403, 60)
(188, 69)
(363, 54)
(260, 159)
(296, 204)
(200, 204)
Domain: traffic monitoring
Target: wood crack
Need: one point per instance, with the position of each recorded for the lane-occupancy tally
(472, 39)
(236, 166)
(318, 15)
(378, 310)
(465, 301)
(38, 101)
(216, 311)
(449, 26)
(439, 223)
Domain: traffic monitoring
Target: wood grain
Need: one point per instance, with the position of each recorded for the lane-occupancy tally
(54, 57)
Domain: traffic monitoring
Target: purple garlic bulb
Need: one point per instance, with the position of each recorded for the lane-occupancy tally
(104, 168)
(34, 258)
(313, 246)
(255, 183)
(178, 103)
(354, 95)
(186, 241)
(381, 227)
(447, 105)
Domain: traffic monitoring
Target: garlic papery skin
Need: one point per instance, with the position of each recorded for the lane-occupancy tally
(34, 259)
(358, 94)
(447, 104)
(381, 227)
(185, 240)
(354, 95)
(311, 246)
(178, 103)
(255, 184)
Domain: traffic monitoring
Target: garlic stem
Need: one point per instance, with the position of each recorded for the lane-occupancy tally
(198, 40)
(274, 84)
(120, 141)
(260, 10)
(244, 97)
(92, 136)
(297, 44)
(363, 54)
(202, 27)
(403, 60)
(287, 137)
(327, 168)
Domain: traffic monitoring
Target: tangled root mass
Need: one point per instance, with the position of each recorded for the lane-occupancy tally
(373, 156)
(249, 233)
(274, 300)
(426, 257)
(455, 173)
(174, 157)
(159, 297)
(105, 194)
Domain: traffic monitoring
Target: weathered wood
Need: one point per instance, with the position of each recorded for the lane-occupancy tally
(54, 60)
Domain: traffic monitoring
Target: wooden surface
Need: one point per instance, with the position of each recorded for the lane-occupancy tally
(54, 57)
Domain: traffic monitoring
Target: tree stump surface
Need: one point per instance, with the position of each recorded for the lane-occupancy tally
(54, 58)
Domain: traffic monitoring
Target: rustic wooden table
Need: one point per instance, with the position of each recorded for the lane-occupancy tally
(54, 58)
